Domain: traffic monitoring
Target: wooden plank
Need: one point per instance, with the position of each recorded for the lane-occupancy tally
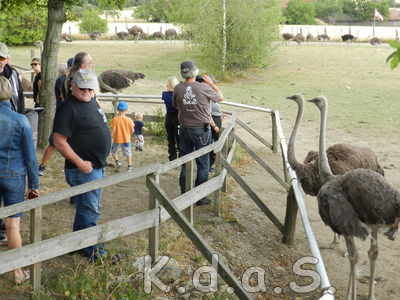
(36, 236)
(192, 196)
(189, 186)
(275, 140)
(262, 163)
(253, 133)
(76, 190)
(153, 231)
(217, 194)
(289, 227)
(57, 246)
(198, 240)
(252, 194)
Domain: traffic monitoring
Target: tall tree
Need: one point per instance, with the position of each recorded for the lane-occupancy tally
(231, 35)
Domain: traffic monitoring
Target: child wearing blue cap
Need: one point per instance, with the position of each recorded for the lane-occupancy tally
(121, 131)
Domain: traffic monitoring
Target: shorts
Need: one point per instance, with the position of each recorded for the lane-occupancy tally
(12, 191)
(126, 148)
(51, 140)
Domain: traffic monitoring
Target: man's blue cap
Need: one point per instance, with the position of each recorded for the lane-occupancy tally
(70, 62)
(122, 106)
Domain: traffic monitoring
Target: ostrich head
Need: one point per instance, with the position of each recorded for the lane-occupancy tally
(298, 98)
(321, 102)
(133, 75)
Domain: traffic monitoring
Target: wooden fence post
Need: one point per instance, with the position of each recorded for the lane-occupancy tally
(115, 103)
(153, 231)
(36, 236)
(188, 187)
(289, 227)
(275, 142)
(224, 152)
(217, 193)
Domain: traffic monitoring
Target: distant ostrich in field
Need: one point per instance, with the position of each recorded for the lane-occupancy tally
(95, 34)
(66, 37)
(136, 31)
(287, 37)
(299, 38)
(348, 38)
(357, 204)
(115, 80)
(309, 37)
(375, 41)
(171, 33)
(123, 35)
(341, 158)
(323, 37)
(158, 35)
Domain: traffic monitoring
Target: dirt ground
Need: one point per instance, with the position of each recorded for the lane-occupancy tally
(245, 237)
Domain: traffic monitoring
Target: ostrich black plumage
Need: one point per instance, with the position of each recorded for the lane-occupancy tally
(115, 80)
(356, 204)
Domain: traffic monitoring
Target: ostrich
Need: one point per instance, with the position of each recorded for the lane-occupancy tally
(26, 86)
(299, 38)
(136, 31)
(356, 204)
(348, 38)
(95, 34)
(375, 41)
(170, 33)
(115, 80)
(123, 35)
(309, 37)
(287, 36)
(158, 35)
(341, 158)
(323, 37)
(66, 37)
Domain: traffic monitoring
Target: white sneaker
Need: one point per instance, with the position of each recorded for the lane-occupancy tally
(129, 169)
(117, 166)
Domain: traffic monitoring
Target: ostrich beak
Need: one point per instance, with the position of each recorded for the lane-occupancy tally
(314, 100)
(291, 97)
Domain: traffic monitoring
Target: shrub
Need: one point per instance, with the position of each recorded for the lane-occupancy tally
(299, 12)
(23, 24)
(92, 21)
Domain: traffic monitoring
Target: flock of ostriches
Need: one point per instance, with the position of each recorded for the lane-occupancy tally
(299, 38)
(354, 199)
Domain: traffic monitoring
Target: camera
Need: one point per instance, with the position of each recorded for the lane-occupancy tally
(199, 78)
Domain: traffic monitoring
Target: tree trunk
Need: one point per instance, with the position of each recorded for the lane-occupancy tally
(56, 19)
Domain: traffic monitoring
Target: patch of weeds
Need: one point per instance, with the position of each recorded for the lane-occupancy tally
(157, 128)
(240, 157)
(197, 258)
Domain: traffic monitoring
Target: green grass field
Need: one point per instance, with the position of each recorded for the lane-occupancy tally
(361, 88)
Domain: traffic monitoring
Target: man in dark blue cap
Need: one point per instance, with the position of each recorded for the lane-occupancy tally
(192, 100)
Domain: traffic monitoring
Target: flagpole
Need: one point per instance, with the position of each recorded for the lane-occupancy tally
(373, 28)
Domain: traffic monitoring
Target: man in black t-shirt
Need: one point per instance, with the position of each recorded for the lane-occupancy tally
(82, 136)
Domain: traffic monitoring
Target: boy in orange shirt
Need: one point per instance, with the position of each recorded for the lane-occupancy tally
(121, 130)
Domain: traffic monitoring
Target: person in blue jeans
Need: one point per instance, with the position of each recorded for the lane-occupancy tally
(192, 100)
(17, 159)
(82, 136)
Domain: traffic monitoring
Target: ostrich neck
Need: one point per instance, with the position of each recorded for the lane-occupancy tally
(291, 155)
(324, 169)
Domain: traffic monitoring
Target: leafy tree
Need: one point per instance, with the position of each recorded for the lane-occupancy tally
(251, 26)
(92, 21)
(299, 12)
(363, 10)
(57, 14)
(328, 9)
(28, 23)
(153, 10)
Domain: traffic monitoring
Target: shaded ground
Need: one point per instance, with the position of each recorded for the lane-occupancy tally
(244, 236)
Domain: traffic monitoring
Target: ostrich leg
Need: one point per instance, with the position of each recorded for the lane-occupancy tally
(372, 254)
(353, 257)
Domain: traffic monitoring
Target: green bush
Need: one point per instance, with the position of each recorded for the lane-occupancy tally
(299, 12)
(92, 21)
(23, 24)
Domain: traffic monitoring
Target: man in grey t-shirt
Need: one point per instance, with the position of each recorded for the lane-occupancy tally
(192, 100)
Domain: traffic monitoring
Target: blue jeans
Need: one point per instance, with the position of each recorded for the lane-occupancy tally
(190, 140)
(12, 191)
(87, 205)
